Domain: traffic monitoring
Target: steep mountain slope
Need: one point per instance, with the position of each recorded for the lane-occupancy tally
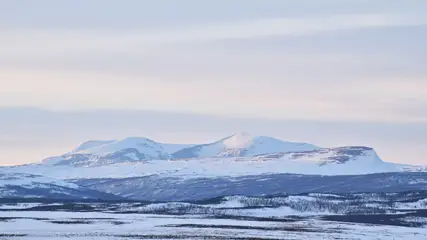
(134, 149)
(21, 185)
(240, 145)
(349, 159)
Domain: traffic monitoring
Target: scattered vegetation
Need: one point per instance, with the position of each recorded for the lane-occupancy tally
(71, 222)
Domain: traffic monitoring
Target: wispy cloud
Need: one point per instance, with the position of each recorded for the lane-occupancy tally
(355, 100)
(325, 60)
(47, 68)
(63, 43)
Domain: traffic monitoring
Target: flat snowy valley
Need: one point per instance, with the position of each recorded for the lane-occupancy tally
(61, 225)
(309, 216)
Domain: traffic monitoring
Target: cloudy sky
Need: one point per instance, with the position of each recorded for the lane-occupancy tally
(328, 72)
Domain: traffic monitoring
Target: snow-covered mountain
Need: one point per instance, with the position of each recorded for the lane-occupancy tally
(324, 161)
(140, 168)
(133, 149)
(24, 185)
(248, 155)
(242, 145)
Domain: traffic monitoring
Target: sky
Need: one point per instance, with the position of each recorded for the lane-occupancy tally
(327, 72)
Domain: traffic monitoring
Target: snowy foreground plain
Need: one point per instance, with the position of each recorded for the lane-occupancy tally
(309, 216)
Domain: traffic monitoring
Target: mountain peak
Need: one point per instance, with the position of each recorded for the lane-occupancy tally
(238, 140)
(241, 134)
(243, 144)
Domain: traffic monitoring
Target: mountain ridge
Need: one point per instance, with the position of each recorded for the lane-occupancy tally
(136, 156)
(242, 144)
(135, 149)
(238, 164)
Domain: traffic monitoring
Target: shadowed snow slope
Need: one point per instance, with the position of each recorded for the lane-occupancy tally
(22, 185)
(171, 188)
